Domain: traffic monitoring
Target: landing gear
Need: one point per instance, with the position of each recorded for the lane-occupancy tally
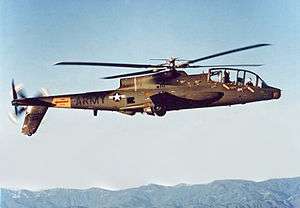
(160, 110)
(95, 112)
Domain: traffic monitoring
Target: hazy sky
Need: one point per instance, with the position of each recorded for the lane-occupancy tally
(74, 149)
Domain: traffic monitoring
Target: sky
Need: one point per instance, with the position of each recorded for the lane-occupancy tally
(73, 149)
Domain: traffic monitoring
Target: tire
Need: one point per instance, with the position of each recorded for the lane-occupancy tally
(160, 110)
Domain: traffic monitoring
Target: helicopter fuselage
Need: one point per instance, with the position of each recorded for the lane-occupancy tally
(178, 91)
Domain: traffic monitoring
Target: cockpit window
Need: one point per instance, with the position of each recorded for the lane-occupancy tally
(240, 78)
(250, 79)
(216, 76)
(260, 83)
(236, 77)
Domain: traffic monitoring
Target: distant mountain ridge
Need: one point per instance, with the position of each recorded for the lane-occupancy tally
(281, 193)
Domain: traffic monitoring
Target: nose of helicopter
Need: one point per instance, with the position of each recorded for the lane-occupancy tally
(276, 93)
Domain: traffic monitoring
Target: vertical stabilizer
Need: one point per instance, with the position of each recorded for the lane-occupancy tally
(33, 118)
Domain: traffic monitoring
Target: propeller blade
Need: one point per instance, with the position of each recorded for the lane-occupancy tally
(135, 73)
(38, 94)
(110, 64)
(21, 93)
(18, 91)
(224, 53)
(13, 118)
(225, 65)
(44, 92)
(21, 111)
(14, 93)
(16, 110)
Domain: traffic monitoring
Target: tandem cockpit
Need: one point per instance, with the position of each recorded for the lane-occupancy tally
(238, 77)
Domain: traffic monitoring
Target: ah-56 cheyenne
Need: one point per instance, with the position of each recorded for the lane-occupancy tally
(162, 88)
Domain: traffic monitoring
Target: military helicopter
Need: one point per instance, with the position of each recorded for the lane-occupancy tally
(162, 88)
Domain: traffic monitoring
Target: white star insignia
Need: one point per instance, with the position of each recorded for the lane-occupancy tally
(117, 97)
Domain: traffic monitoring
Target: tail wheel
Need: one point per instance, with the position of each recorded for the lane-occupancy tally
(160, 110)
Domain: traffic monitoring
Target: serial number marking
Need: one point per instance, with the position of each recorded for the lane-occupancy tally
(62, 102)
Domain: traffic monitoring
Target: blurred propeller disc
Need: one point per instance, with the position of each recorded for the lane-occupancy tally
(13, 118)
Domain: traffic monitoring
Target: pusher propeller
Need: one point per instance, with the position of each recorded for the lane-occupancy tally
(19, 93)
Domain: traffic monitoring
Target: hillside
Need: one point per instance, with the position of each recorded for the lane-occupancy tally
(283, 193)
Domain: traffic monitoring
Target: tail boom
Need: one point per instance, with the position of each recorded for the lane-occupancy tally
(90, 100)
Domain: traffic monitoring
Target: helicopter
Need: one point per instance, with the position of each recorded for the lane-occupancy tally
(155, 91)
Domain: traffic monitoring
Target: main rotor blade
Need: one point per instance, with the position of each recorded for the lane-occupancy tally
(110, 64)
(158, 59)
(224, 53)
(225, 65)
(135, 73)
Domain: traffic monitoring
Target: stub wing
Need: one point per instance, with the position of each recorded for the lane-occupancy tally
(33, 118)
(187, 100)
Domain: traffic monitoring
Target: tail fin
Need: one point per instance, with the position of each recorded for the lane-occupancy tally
(33, 118)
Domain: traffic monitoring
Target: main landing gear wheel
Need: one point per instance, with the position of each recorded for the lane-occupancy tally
(160, 110)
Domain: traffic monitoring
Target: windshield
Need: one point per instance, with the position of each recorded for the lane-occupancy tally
(236, 77)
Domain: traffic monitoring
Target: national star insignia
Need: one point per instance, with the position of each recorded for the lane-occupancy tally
(117, 97)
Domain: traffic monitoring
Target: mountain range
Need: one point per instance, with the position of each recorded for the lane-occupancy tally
(281, 193)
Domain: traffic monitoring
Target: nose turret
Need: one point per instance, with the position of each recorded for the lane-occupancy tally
(276, 93)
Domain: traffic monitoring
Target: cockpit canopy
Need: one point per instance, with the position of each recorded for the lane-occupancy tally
(236, 77)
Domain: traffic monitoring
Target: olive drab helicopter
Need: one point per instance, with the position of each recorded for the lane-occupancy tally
(155, 91)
